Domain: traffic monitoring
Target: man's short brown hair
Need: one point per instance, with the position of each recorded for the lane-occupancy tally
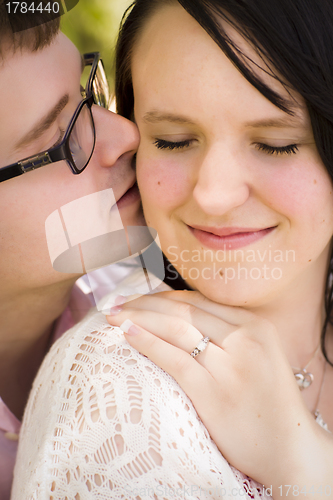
(16, 30)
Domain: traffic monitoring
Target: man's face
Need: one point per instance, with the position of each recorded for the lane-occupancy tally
(37, 85)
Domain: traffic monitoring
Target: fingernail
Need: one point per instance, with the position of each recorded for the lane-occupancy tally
(115, 310)
(129, 328)
(120, 300)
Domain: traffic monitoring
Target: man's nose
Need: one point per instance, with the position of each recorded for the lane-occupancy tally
(222, 182)
(115, 136)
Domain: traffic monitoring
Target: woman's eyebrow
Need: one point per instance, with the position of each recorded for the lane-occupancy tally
(156, 117)
(276, 123)
(44, 124)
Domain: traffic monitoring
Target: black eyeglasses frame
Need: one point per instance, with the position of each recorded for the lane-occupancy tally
(62, 151)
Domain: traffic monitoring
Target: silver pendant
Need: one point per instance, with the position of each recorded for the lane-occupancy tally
(320, 421)
(304, 379)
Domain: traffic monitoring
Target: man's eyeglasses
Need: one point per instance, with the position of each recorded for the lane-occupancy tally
(78, 143)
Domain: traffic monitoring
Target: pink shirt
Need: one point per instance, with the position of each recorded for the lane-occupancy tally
(77, 308)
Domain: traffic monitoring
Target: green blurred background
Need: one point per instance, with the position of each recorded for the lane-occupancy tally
(93, 25)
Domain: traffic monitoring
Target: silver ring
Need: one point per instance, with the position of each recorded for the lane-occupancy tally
(200, 347)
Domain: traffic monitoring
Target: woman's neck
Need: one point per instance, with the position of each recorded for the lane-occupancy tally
(298, 315)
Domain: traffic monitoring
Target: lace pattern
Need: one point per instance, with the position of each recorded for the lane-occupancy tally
(104, 422)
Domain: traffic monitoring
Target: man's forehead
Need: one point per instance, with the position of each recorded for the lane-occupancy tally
(39, 84)
(13, 54)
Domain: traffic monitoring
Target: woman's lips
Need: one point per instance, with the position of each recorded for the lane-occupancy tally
(229, 238)
(131, 196)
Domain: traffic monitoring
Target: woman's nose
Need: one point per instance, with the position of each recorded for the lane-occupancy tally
(115, 136)
(222, 183)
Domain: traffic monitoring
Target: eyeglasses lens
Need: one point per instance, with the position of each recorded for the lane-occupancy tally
(100, 87)
(82, 138)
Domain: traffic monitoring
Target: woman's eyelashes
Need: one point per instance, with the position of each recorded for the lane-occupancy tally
(162, 144)
(265, 148)
(278, 150)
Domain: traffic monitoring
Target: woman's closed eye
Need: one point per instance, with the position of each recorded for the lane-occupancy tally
(172, 145)
(271, 150)
(278, 150)
(290, 149)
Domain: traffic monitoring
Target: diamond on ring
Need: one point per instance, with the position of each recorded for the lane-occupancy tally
(200, 347)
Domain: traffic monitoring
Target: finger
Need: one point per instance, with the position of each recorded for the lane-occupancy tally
(174, 331)
(182, 333)
(208, 324)
(192, 377)
(230, 314)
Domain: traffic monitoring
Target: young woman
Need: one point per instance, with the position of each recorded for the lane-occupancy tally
(234, 105)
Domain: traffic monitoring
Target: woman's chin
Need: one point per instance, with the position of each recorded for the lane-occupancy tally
(235, 295)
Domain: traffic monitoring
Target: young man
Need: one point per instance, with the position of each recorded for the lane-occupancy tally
(40, 73)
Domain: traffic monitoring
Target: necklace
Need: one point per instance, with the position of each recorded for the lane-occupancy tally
(304, 378)
(318, 417)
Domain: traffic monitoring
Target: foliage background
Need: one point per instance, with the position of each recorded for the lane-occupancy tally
(92, 25)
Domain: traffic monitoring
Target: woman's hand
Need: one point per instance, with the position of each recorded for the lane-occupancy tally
(242, 385)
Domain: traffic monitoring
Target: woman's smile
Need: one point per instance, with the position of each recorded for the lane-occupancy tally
(228, 238)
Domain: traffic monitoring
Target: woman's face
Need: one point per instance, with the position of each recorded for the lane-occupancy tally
(233, 185)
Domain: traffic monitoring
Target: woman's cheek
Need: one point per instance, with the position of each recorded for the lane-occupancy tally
(163, 183)
(300, 192)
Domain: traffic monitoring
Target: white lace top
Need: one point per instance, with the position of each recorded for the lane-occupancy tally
(104, 422)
